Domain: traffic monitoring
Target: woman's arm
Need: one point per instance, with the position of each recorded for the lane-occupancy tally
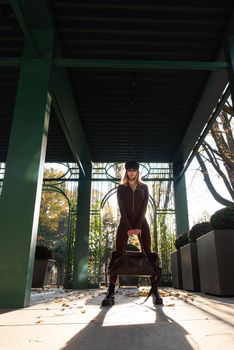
(122, 209)
(143, 209)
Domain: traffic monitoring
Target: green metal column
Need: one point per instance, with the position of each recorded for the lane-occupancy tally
(181, 209)
(82, 234)
(229, 53)
(21, 194)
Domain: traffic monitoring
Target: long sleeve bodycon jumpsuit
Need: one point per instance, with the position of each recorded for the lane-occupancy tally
(133, 206)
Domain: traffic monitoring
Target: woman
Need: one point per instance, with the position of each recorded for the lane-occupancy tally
(133, 198)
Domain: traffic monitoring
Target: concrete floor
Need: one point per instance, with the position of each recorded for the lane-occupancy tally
(74, 320)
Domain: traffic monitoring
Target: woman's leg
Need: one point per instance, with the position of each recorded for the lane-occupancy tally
(145, 241)
(145, 238)
(121, 244)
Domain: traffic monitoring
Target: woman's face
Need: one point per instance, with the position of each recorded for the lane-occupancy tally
(132, 174)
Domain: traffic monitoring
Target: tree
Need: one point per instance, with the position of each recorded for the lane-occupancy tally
(54, 212)
(217, 153)
(163, 218)
(53, 220)
(101, 237)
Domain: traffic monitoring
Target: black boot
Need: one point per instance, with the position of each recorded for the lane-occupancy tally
(109, 300)
(157, 300)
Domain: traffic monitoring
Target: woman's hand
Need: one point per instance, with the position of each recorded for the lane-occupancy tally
(137, 231)
(131, 232)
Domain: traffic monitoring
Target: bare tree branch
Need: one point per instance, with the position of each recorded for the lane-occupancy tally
(228, 131)
(227, 108)
(209, 184)
(218, 157)
(167, 196)
(211, 154)
(216, 166)
(222, 146)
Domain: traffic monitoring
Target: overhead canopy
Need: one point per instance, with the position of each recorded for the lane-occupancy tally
(145, 75)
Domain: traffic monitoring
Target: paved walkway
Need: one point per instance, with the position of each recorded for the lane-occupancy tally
(59, 320)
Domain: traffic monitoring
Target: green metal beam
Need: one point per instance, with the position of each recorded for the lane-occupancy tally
(82, 231)
(21, 193)
(138, 64)
(229, 53)
(30, 16)
(10, 61)
(181, 207)
(209, 99)
(65, 109)
(126, 64)
(39, 16)
(24, 26)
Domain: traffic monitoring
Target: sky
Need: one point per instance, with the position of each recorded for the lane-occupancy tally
(200, 200)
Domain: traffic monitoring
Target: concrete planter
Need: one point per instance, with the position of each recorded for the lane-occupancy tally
(42, 272)
(216, 261)
(176, 269)
(190, 268)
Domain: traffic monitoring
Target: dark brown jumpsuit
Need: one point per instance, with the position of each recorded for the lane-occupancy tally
(133, 206)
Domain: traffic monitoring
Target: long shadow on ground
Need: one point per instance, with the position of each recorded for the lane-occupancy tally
(164, 333)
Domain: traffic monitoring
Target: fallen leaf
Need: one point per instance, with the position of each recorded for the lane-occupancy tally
(58, 300)
(35, 340)
(170, 304)
(39, 321)
(143, 293)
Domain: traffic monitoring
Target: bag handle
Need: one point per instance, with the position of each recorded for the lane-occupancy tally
(141, 244)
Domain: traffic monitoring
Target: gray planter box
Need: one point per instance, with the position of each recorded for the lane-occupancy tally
(176, 270)
(42, 272)
(190, 268)
(216, 261)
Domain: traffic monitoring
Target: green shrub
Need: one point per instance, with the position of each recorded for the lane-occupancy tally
(60, 252)
(199, 230)
(181, 240)
(43, 252)
(223, 219)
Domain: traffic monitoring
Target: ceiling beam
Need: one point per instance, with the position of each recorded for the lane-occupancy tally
(138, 64)
(125, 64)
(33, 16)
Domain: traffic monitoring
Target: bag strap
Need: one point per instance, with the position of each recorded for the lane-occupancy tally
(149, 294)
